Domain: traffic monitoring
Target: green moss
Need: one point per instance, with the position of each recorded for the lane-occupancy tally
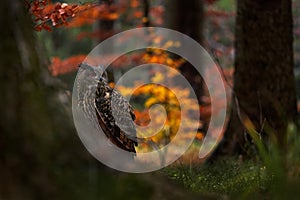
(224, 177)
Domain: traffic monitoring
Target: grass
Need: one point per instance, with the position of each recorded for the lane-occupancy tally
(235, 179)
(262, 177)
(223, 178)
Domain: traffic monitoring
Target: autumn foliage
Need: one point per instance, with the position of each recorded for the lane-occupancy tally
(48, 15)
(44, 12)
(68, 65)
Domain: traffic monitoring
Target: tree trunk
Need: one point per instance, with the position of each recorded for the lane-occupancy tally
(187, 17)
(105, 26)
(27, 109)
(264, 84)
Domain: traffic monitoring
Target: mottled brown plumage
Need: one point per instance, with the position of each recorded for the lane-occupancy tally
(115, 116)
(107, 107)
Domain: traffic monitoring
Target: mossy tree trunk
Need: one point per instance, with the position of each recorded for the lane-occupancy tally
(264, 84)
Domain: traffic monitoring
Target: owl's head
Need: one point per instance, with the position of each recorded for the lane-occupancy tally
(92, 72)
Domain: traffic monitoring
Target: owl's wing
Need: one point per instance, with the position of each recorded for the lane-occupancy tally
(114, 115)
(123, 113)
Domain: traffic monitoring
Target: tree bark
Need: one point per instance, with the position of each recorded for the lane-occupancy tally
(30, 117)
(187, 17)
(264, 84)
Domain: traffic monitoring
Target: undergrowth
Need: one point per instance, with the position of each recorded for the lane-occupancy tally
(227, 178)
(262, 177)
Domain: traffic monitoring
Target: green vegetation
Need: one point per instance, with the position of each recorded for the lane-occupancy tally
(226, 5)
(232, 178)
(261, 178)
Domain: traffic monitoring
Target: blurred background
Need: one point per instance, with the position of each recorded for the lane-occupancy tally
(43, 42)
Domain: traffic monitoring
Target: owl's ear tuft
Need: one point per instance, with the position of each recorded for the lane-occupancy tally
(84, 66)
(98, 70)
